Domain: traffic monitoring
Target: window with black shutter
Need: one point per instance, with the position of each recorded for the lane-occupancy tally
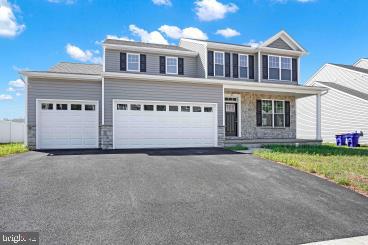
(251, 66)
(210, 68)
(122, 61)
(143, 63)
(287, 113)
(162, 64)
(181, 66)
(259, 113)
(265, 67)
(227, 64)
(235, 66)
(295, 70)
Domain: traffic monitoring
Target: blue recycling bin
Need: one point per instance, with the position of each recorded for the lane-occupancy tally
(340, 139)
(352, 139)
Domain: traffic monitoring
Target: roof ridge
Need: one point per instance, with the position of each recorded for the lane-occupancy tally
(78, 63)
(345, 89)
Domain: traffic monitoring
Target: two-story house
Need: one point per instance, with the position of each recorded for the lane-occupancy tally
(197, 94)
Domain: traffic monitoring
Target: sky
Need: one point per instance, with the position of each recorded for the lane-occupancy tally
(36, 34)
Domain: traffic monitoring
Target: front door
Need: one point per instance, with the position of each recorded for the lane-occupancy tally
(231, 119)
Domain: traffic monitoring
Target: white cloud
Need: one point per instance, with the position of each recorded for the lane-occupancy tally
(83, 55)
(5, 97)
(10, 89)
(162, 2)
(175, 32)
(63, 1)
(18, 94)
(124, 38)
(209, 10)
(253, 43)
(148, 37)
(228, 32)
(9, 27)
(17, 84)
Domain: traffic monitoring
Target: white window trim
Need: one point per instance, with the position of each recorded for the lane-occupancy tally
(283, 113)
(177, 65)
(139, 62)
(279, 58)
(247, 58)
(238, 101)
(273, 113)
(223, 64)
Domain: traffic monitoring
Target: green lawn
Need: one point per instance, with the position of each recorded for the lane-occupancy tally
(342, 165)
(237, 148)
(7, 149)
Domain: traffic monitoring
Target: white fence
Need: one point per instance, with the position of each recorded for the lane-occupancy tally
(11, 132)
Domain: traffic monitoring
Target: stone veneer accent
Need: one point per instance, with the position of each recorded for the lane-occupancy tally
(221, 136)
(249, 129)
(31, 137)
(106, 137)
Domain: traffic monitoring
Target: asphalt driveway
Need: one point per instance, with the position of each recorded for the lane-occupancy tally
(206, 196)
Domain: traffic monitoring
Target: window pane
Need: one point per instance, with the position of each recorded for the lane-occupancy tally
(171, 69)
(197, 109)
(161, 108)
(173, 108)
(76, 107)
(148, 107)
(243, 61)
(133, 62)
(133, 66)
(279, 120)
(47, 106)
(266, 106)
(286, 75)
(185, 108)
(135, 107)
(89, 107)
(219, 70)
(267, 120)
(122, 107)
(61, 107)
(171, 61)
(274, 62)
(274, 74)
(219, 58)
(243, 72)
(208, 109)
(279, 107)
(285, 63)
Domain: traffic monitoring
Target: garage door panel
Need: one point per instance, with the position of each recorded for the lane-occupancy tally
(62, 129)
(155, 129)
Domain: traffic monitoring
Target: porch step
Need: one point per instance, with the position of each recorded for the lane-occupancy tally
(232, 141)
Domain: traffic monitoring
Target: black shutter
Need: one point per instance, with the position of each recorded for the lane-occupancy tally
(210, 69)
(235, 66)
(162, 64)
(123, 61)
(259, 113)
(265, 66)
(180, 66)
(287, 113)
(143, 63)
(251, 66)
(295, 70)
(227, 64)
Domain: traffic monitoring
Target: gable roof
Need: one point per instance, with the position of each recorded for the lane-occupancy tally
(350, 67)
(142, 44)
(76, 68)
(344, 89)
(285, 37)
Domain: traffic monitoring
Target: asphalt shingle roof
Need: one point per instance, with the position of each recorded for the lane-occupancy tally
(354, 68)
(347, 90)
(141, 44)
(77, 68)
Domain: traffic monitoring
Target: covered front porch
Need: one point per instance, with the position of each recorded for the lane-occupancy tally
(263, 113)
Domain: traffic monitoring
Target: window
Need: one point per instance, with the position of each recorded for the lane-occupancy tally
(173, 108)
(185, 108)
(161, 108)
(133, 62)
(207, 109)
(243, 66)
(62, 107)
(89, 107)
(122, 107)
(135, 107)
(197, 109)
(148, 107)
(279, 113)
(266, 113)
(171, 65)
(47, 106)
(285, 69)
(279, 68)
(219, 64)
(76, 107)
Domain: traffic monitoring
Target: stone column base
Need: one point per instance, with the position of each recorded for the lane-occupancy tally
(105, 137)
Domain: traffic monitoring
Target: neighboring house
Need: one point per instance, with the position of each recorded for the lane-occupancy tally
(344, 106)
(196, 94)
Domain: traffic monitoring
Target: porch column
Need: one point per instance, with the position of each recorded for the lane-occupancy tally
(318, 117)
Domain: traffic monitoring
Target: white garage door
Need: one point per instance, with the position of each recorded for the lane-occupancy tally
(65, 124)
(148, 124)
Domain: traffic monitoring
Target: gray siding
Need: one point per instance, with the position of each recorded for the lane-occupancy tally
(60, 89)
(280, 44)
(202, 54)
(160, 91)
(112, 63)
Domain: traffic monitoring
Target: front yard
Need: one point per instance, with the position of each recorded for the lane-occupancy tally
(8, 149)
(345, 166)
